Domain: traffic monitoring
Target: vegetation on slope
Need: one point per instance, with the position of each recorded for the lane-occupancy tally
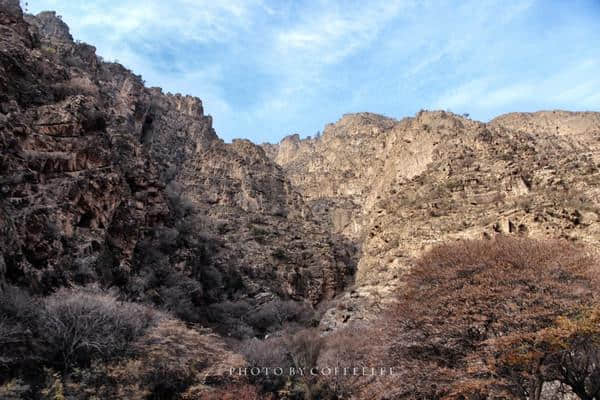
(501, 318)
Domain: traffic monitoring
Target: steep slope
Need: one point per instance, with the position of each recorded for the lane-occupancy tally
(398, 187)
(105, 180)
(336, 172)
(106, 183)
(113, 194)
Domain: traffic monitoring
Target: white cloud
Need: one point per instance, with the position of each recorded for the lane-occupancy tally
(564, 89)
(216, 21)
(506, 95)
(463, 95)
(303, 54)
(331, 32)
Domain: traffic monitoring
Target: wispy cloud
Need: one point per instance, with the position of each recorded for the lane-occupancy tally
(490, 96)
(214, 21)
(329, 33)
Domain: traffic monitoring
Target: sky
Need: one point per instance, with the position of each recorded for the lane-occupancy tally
(266, 69)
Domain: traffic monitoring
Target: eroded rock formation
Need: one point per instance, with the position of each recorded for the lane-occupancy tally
(95, 166)
(398, 187)
(106, 182)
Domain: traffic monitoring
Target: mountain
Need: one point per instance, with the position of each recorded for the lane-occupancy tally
(107, 183)
(115, 193)
(94, 165)
(396, 188)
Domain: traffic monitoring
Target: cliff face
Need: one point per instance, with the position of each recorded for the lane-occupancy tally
(397, 187)
(98, 171)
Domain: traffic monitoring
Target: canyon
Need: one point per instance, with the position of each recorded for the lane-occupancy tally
(106, 183)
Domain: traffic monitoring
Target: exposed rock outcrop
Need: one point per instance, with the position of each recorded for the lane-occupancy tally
(398, 187)
(95, 166)
(107, 183)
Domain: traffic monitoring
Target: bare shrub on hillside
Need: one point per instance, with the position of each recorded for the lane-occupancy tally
(232, 392)
(304, 348)
(19, 313)
(229, 317)
(299, 350)
(15, 389)
(179, 204)
(81, 324)
(275, 314)
(355, 346)
(568, 352)
(17, 304)
(171, 360)
(271, 353)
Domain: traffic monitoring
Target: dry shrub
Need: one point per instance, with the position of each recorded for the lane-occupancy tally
(567, 353)
(229, 318)
(461, 296)
(14, 389)
(271, 353)
(61, 343)
(17, 305)
(171, 360)
(357, 345)
(68, 328)
(230, 392)
(299, 350)
(304, 348)
(78, 325)
(274, 314)
(19, 314)
(498, 285)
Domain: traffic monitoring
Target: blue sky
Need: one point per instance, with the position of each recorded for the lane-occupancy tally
(265, 69)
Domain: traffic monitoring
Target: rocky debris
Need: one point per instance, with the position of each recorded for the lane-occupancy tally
(556, 391)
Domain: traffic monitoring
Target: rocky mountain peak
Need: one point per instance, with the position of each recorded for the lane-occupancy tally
(291, 139)
(565, 123)
(358, 124)
(51, 26)
(367, 168)
(188, 105)
(117, 168)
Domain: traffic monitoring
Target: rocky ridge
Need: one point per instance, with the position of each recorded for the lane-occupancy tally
(97, 170)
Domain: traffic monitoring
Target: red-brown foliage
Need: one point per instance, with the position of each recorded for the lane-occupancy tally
(462, 296)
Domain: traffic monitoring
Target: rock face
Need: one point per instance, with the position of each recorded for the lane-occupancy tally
(97, 171)
(105, 180)
(397, 187)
